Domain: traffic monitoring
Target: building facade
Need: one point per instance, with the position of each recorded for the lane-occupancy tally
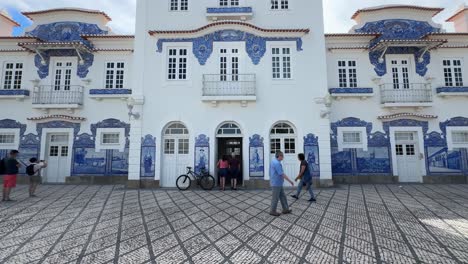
(381, 103)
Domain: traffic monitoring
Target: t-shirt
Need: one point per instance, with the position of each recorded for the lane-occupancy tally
(37, 168)
(223, 164)
(307, 176)
(276, 173)
(11, 166)
(234, 163)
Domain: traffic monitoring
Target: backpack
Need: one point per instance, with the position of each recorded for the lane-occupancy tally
(2, 167)
(30, 170)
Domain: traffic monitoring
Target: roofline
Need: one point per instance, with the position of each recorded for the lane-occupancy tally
(108, 36)
(328, 35)
(156, 32)
(437, 10)
(88, 11)
(17, 37)
(11, 20)
(450, 19)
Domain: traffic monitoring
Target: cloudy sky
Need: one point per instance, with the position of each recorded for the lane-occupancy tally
(337, 12)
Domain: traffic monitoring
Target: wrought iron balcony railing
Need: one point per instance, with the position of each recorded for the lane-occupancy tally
(406, 93)
(229, 85)
(58, 95)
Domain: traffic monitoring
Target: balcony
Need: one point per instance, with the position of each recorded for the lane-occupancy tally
(58, 96)
(229, 13)
(406, 95)
(229, 87)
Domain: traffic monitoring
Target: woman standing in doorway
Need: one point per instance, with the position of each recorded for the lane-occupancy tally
(223, 166)
(234, 169)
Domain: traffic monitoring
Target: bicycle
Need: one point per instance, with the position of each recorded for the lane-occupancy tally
(204, 179)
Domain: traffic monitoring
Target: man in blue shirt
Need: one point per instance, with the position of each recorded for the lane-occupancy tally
(277, 178)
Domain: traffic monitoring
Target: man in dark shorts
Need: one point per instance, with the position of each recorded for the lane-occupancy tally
(11, 170)
(35, 179)
(234, 170)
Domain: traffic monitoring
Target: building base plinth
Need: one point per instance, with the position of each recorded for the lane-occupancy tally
(257, 184)
(96, 180)
(445, 179)
(142, 184)
(365, 179)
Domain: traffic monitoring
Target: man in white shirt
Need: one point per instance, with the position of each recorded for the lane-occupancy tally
(35, 179)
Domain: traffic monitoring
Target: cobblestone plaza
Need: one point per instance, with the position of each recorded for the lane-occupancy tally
(348, 224)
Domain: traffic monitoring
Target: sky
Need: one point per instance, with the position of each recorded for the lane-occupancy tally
(337, 13)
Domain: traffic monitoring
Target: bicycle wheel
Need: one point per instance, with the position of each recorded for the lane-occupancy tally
(183, 182)
(207, 182)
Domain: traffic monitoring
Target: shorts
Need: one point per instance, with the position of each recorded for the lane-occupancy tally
(35, 179)
(9, 181)
(234, 174)
(223, 173)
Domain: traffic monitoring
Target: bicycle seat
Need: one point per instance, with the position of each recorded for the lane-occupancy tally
(189, 168)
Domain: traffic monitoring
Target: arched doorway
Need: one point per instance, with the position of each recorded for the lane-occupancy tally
(175, 153)
(283, 138)
(229, 140)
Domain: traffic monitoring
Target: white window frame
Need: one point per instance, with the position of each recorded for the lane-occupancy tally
(14, 70)
(452, 71)
(11, 131)
(114, 80)
(229, 3)
(119, 146)
(281, 56)
(166, 72)
(450, 144)
(179, 5)
(347, 69)
(344, 145)
(279, 2)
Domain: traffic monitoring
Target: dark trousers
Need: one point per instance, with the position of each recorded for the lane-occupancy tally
(278, 195)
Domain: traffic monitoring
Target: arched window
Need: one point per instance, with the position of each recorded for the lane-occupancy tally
(229, 129)
(282, 138)
(176, 139)
(176, 129)
(282, 129)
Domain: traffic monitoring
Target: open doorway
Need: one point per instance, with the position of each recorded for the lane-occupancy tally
(229, 142)
(227, 146)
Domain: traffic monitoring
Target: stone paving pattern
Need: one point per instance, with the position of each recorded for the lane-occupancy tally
(348, 224)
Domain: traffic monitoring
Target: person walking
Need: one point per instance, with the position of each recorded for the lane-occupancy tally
(234, 170)
(277, 178)
(305, 178)
(223, 166)
(11, 166)
(34, 172)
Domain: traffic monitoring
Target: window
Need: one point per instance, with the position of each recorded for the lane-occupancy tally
(115, 72)
(176, 129)
(54, 151)
(460, 137)
(110, 138)
(453, 75)
(13, 75)
(399, 150)
(281, 63)
(179, 5)
(410, 150)
(228, 2)
(352, 137)
(7, 138)
(169, 146)
(289, 145)
(283, 139)
(279, 4)
(177, 64)
(229, 129)
(347, 73)
(404, 136)
(275, 145)
(282, 129)
(183, 146)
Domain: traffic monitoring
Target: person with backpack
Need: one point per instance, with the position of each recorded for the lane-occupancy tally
(34, 172)
(11, 167)
(305, 178)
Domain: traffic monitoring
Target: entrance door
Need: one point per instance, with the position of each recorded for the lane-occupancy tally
(176, 157)
(227, 146)
(283, 138)
(400, 73)
(58, 158)
(407, 153)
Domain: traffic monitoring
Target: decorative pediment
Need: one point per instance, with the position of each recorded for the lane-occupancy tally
(255, 45)
(202, 141)
(351, 122)
(456, 121)
(310, 140)
(256, 141)
(9, 123)
(406, 123)
(148, 141)
(110, 123)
